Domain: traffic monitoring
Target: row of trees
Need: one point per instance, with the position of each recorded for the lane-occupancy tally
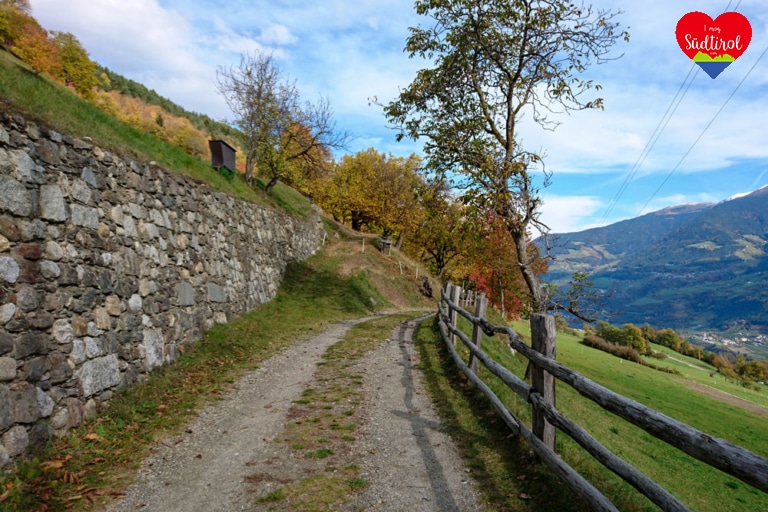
(640, 338)
(287, 140)
(58, 54)
(388, 195)
(114, 82)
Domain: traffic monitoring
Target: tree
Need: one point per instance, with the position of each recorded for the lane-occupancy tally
(38, 50)
(14, 16)
(267, 110)
(441, 232)
(76, 68)
(306, 174)
(20, 5)
(376, 191)
(493, 61)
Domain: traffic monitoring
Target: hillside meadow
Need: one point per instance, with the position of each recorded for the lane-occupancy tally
(700, 487)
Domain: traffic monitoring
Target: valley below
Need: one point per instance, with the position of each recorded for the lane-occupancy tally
(699, 269)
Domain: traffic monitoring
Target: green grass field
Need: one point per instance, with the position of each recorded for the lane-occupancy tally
(699, 486)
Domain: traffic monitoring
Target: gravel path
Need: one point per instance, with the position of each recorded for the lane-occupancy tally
(415, 465)
(409, 463)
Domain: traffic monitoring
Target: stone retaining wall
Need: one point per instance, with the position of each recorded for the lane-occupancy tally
(107, 267)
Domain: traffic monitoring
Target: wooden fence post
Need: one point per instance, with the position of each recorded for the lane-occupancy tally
(544, 341)
(481, 304)
(455, 296)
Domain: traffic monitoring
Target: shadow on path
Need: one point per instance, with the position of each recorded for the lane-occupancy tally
(420, 425)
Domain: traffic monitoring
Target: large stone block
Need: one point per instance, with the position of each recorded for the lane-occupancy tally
(154, 348)
(40, 320)
(216, 293)
(25, 405)
(84, 216)
(30, 344)
(60, 370)
(6, 343)
(16, 441)
(52, 204)
(80, 191)
(99, 374)
(26, 168)
(7, 369)
(9, 269)
(15, 198)
(34, 369)
(50, 270)
(27, 298)
(185, 294)
(53, 251)
(113, 305)
(62, 331)
(48, 152)
(34, 229)
(29, 250)
(77, 354)
(9, 228)
(44, 403)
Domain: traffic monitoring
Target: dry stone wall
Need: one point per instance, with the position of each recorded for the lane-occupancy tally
(107, 267)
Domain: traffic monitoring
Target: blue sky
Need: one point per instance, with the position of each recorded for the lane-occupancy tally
(351, 50)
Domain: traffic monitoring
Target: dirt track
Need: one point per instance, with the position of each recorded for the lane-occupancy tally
(729, 399)
(409, 463)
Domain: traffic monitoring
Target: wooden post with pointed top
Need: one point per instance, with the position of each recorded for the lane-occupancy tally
(543, 341)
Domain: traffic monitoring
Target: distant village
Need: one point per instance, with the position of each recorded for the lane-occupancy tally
(750, 343)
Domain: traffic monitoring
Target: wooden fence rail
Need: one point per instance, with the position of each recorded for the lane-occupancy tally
(721, 454)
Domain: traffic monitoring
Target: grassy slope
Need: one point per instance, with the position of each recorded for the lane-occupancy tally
(48, 103)
(700, 487)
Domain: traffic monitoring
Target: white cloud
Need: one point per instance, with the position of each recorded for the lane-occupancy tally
(226, 40)
(277, 34)
(566, 214)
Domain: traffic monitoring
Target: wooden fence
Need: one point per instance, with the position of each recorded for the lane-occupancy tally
(719, 453)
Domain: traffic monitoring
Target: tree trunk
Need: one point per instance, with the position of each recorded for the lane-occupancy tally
(271, 184)
(400, 239)
(249, 170)
(538, 298)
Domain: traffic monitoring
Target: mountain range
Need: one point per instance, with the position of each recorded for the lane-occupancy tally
(697, 266)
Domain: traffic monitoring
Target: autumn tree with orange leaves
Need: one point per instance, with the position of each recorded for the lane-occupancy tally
(491, 62)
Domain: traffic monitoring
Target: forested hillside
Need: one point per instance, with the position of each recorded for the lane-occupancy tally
(604, 248)
(699, 267)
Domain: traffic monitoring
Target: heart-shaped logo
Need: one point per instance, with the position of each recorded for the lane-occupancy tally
(713, 44)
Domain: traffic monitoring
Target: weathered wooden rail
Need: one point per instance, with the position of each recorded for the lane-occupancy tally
(719, 453)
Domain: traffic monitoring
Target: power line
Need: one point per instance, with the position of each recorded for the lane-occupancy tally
(660, 126)
(704, 131)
